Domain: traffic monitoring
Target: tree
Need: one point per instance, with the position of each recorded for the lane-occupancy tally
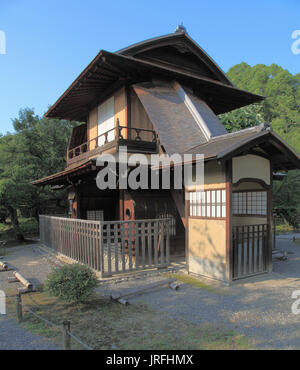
(281, 109)
(36, 149)
(242, 118)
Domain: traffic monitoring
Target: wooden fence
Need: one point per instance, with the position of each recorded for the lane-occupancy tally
(250, 248)
(110, 247)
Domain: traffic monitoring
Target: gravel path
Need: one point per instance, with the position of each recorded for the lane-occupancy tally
(259, 307)
(13, 337)
(34, 265)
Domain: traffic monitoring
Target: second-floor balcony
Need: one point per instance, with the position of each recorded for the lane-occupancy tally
(137, 140)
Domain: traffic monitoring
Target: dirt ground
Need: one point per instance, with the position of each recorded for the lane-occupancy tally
(252, 313)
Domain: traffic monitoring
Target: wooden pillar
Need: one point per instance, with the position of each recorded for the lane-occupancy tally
(76, 204)
(187, 211)
(128, 111)
(270, 223)
(229, 247)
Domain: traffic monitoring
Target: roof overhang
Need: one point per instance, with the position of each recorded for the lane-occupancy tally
(282, 155)
(108, 72)
(67, 176)
(183, 42)
(258, 140)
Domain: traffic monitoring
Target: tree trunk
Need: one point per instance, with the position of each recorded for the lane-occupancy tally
(15, 224)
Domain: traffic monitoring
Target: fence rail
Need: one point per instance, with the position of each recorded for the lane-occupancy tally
(110, 247)
(250, 246)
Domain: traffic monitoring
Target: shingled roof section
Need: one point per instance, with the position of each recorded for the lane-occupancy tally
(181, 120)
(226, 146)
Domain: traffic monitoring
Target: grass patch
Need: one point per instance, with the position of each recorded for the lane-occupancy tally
(187, 279)
(105, 324)
(283, 228)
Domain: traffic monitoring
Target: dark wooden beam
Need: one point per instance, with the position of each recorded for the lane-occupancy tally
(229, 244)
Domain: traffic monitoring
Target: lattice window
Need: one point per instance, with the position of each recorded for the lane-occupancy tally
(208, 203)
(249, 203)
(95, 215)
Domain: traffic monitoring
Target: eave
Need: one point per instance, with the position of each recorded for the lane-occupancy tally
(109, 71)
(65, 177)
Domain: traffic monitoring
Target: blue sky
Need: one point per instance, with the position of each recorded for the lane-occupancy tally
(49, 42)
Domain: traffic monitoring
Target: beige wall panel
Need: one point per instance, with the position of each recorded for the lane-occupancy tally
(92, 127)
(214, 173)
(207, 247)
(248, 220)
(214, 177)
(250, 166)
(120, 109)
(247, 186)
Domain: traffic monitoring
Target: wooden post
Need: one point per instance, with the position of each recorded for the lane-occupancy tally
(229, 245)
(100, 246)
(19, 308)
(66, 335)
(22, 280)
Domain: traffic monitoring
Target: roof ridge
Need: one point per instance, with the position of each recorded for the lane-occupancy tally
(261, 127)
(256, 129)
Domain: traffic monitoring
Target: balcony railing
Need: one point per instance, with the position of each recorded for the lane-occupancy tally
(135, 139)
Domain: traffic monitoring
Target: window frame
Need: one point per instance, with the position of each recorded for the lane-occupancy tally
(246, 214)
(213, 205)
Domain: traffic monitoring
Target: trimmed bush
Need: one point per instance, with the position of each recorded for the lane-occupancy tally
(71, 283)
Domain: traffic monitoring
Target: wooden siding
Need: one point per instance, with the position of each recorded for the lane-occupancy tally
(121, 109)
(120, 114)
(92, 127)
(139, 117)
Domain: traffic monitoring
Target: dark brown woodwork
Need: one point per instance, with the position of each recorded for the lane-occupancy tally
(229, 246)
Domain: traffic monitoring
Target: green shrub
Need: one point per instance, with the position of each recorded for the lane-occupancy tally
(71, 283)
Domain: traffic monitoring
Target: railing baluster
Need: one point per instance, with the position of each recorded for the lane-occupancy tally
(156, 242)
(91, 242)
(108, 246)
(143, 235)
(116, 246)
(123, 246)
(136, 244)
(130, 244)
(150, 238)
(162, 244)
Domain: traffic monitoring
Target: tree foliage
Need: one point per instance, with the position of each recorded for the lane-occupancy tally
(281, 108)
(36, 149)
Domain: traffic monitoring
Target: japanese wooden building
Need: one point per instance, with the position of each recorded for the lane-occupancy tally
(163, 96)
